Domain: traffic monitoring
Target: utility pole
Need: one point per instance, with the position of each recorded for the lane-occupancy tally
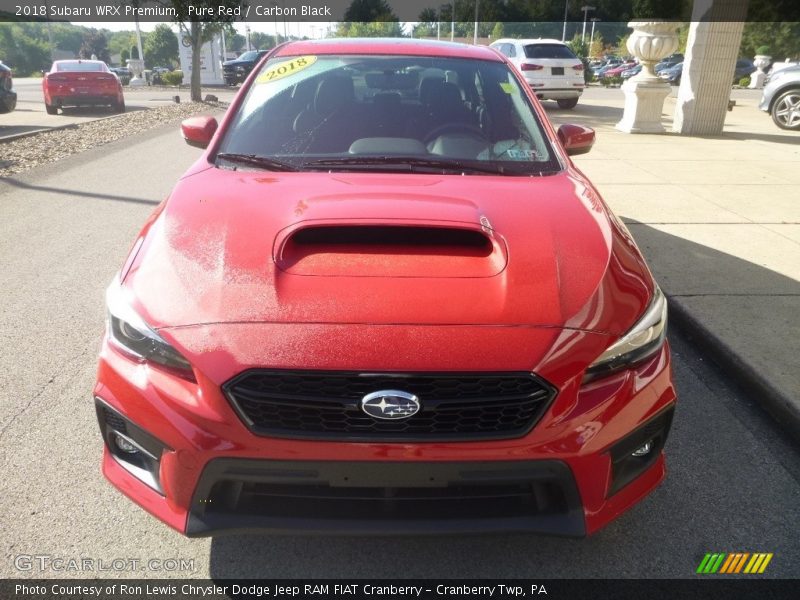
(564, 31)
(585, 10)
(475, 35)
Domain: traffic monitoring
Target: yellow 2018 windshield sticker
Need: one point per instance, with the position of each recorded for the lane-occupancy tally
(508, 88)
(286, 68)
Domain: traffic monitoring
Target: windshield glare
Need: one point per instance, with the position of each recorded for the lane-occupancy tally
(352, 108)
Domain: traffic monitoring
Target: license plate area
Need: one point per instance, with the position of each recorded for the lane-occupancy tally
(557, 70)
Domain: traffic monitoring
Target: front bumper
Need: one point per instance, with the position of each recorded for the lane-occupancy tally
(563, 477)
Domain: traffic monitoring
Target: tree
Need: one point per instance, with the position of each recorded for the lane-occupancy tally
(161, 46)
(497, 31)
(21, 49)
(94, 44)
(199, 31)
(370, 29)
(369, 18)
(369, 10)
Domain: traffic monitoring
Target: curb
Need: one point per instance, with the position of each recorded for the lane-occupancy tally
(782, 407)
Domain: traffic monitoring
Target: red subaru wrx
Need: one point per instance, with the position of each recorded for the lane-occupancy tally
(385, 300)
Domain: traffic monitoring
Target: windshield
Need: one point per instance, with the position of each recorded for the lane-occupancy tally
(548, 51)
(384, 112)
(80, 66)
(251, 55)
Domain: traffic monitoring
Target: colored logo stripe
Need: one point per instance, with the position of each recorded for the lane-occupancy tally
(734, 562)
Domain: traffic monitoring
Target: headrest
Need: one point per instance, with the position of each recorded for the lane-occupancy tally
(333, 93)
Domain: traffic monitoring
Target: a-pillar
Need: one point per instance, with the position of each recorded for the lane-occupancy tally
(711, 52)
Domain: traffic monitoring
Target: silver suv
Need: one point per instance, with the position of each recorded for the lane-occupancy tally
(781, 97)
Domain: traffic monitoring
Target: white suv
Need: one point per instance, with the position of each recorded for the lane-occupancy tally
(549, 67)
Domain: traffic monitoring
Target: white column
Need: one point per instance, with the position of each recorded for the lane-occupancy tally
(711, 53)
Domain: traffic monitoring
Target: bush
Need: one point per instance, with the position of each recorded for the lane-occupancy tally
(763, 51)
(744, 81)
(172, 78)
(609, 81)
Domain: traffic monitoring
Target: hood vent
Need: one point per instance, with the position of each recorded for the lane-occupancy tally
(381, 250)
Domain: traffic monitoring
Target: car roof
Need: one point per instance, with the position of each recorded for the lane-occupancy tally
(391, 46)
(529, 41)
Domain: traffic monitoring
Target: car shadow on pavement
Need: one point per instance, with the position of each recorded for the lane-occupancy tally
(726, 468)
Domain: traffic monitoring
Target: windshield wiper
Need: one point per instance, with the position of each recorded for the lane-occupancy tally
(411, 164)
(254, 160)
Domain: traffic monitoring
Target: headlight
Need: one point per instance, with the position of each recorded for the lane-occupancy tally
(642, 341)
(135, 337)
(240, 69)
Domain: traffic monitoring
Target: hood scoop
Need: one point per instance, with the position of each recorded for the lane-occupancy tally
(390, 249)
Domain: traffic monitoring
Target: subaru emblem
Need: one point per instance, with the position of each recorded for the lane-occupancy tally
(390, 404)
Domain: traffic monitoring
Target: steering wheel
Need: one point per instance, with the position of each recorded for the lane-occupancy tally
(461, 127)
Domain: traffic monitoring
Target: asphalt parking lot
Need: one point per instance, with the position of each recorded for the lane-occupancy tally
(733, 481)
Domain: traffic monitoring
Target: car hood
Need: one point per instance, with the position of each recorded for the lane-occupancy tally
(236, 63)
(344, 248)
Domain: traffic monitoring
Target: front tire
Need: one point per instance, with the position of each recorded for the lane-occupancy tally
(567, 103)
(51, 110)
(786, 110)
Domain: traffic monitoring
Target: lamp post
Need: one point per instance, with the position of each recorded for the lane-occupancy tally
(453, 21)
(591, 38)
(585, 10)
(564, 31)
(475, 34)
(247, 35)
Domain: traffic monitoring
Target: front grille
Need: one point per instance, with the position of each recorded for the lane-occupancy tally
(454, 406)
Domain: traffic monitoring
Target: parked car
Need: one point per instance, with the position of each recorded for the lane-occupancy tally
(669, 61)
(404, 309)
(236, 71)
(81, 83)
(781, 97)
(744, 67)
(124, 73)
(8, 97)
(551, 69)
(619, 69)
(628, 73)
(599, 72)
(673, 74)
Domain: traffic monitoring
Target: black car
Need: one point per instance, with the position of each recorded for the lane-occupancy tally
(8, 97)
(125, 74)
(236, 71)
(744, 67)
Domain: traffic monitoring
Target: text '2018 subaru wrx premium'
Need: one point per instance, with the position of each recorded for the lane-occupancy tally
(385, 300)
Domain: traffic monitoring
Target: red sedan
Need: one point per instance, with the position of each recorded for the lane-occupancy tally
(384, 299)
(81, 83)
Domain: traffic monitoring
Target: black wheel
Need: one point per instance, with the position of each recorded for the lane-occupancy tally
(786, 110)
(567, 103)
(51, 110)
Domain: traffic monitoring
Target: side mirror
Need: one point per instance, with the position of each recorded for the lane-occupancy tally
(576, 139)
(198, 131)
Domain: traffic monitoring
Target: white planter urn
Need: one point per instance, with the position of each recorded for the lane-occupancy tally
(650, 42)
(761, 62)
(136, 65)
(645, 93)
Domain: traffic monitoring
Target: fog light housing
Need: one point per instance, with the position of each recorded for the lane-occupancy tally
(124, 444)
(134, 449)
(639, 450)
